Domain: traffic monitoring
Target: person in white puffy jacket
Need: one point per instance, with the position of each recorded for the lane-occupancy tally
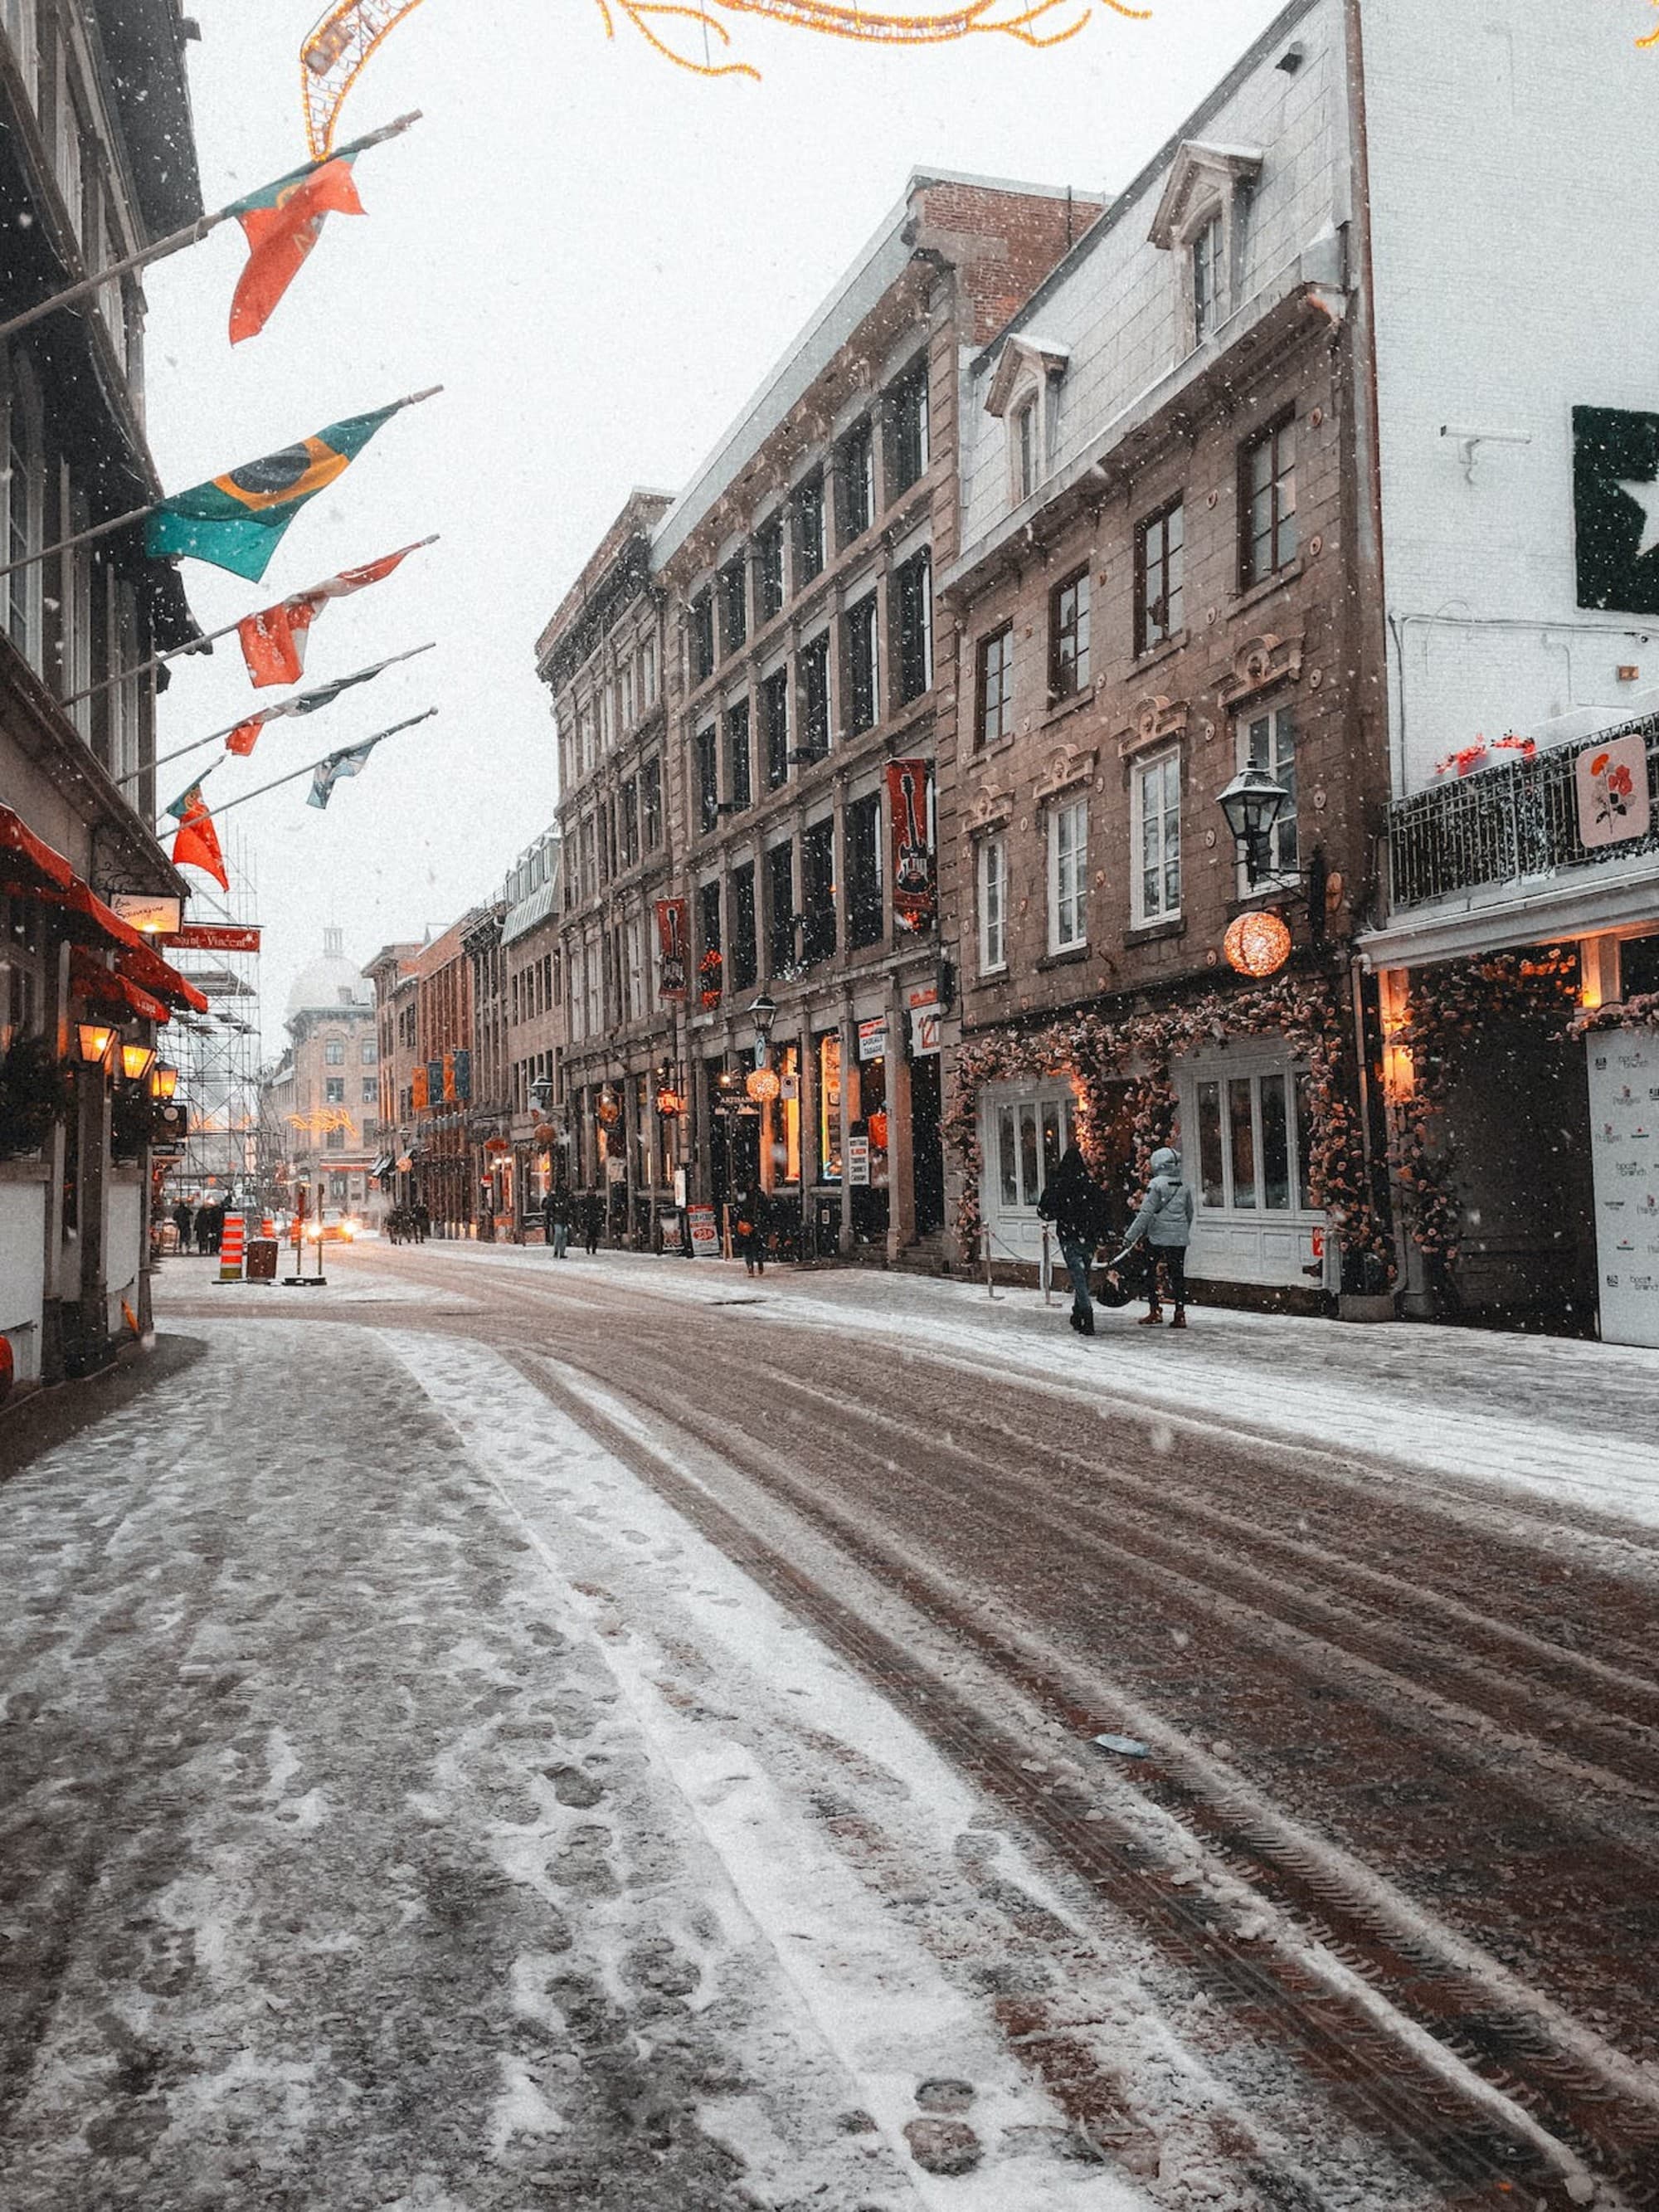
(1166, 1220)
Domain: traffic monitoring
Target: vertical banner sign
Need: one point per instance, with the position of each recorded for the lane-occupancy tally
(448, 1077)
(419, 1095)
(673, 926)
(1624, 1103)
(1612, 783)
(911, 803)
(462, 1059)
(434, 1084)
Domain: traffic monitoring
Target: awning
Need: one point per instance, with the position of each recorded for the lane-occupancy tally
(89, 920)
(27, 863)
(111, 992)
(383, 1167)
(146, 967)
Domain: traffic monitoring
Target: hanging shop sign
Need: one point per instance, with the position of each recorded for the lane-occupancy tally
(673, 924)
(1611, 781)
(209, 936)
(1624, 1104)
(705, 1232)
(420, 1087)
(910, 808)
(157, 913)
(857, 1160)
(872, 1038)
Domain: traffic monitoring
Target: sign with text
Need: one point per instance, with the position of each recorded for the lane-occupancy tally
(857, 1160)
(705, 1233)
(211, 937)
(1624, 1104)
(1611, 780)
(924, 1032)
(872, 1038)
(153, 912)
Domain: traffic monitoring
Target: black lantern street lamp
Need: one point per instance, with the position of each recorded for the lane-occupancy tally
(1253, 803)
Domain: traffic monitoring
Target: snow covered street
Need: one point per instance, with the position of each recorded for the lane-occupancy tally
(491, 1733)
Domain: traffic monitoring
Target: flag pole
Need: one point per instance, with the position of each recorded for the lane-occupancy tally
(310, 766)
(212, 637)
(138, 514)
(282, 707)
(178, 240)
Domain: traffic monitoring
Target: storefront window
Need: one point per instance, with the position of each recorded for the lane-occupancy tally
(1253, 1141)
(1242, 1130)
(830, 1107)
(1209, 1144)
(1275, 1145)
(783, 1118)
(1031, 1136)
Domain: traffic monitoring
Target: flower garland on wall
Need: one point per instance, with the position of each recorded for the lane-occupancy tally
(1640, 1011)
(1445, 1007)
(1307, 1012)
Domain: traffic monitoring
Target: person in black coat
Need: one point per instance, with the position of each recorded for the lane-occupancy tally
(750, 1219)
(592, 1220)
(1075, 1203)
(183, 1222)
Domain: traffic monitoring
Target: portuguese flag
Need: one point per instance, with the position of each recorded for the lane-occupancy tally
(237, 520)
(281, 222)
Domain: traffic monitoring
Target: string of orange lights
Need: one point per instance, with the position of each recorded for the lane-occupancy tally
(342, 43)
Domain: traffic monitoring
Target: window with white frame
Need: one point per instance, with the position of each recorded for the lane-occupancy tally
(1028, 1137)
(648, 672)
(1157, 884)
(1023, 449)
(1252, 1142)
(993, 905)
(1267, 738)
(334, 1052)
(1208, 277)
(994, 690)
(1068, 876)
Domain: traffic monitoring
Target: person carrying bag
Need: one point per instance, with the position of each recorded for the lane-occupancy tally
(1166, 1220)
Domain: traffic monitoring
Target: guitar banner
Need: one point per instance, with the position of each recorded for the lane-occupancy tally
(911, 803)
(673, 926)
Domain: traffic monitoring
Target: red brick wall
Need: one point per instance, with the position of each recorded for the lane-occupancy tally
(1004, 243)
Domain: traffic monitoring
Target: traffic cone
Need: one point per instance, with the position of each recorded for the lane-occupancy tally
(230, 1249)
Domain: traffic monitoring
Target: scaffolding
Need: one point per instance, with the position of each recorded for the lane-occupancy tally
(218, 1054)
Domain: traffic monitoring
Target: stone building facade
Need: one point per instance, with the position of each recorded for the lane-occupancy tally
(323, 1097)
(1166, 575)
(97, 159)
(603, 656)
(533, 981)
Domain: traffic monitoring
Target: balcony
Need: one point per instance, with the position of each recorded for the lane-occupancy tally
(1505, 827)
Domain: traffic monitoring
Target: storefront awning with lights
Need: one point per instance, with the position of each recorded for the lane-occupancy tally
(112, 993)
(27, 862)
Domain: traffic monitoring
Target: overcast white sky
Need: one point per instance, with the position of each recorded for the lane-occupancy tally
(599, 256)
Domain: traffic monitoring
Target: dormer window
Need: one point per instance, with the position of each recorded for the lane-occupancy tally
(1200, 220)
(1024, 392)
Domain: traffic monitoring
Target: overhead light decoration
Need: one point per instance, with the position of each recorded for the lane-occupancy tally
(1256, 945)
(340, 44)
(762, 1085)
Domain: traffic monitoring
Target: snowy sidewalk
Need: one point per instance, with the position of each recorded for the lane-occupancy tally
(1571, 1424)
(362, 1847)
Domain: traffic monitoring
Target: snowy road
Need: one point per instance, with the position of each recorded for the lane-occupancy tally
(496, 1733)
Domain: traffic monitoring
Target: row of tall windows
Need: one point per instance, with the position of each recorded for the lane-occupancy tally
(788, 902)
(622, 829)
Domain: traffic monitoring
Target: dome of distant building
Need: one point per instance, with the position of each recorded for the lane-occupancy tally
(330, 983)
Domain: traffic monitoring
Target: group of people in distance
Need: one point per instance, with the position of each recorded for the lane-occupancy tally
(1080, 1212)
(204, 1224)
(563, 1210)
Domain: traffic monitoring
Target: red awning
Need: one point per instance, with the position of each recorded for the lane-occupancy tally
(145, 966)
(27, 864)
(112, 993)
(88, 920)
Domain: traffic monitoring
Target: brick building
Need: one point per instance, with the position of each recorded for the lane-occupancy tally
(441, 1083)
(534, 964)
(798, 571)
(602, 655)
(1166, 575)
(490, 1113)
(392, 975)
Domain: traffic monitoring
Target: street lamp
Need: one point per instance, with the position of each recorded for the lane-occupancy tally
(136, 1060)
(94, 1039)
(1253, 803)
(163, 1080)
(541, 1092)
(765, 1013)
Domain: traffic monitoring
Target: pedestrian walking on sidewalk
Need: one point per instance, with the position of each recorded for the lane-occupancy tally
(182, 1221)
(750, 1222)
(422, 1219)
(555, 1219)
(1075, 1203)
(1166, 1220)
(592, 1216)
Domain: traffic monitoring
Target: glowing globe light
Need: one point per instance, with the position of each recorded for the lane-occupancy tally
(1256, 945)
(762, 1085)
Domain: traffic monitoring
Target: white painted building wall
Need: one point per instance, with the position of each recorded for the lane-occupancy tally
(1514, 155)
(22, 1270)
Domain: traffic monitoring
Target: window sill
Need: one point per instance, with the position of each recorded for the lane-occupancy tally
(985, 752)
(1060, 710)
(1254, 594)
(1068, 959)
(1153, 932)
(997, 974)
(1166, 649)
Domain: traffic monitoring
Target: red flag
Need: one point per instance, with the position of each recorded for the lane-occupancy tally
(242, 738)
(197, 844)
(282, 224)
(274, 641)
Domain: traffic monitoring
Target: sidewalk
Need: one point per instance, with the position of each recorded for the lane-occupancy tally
(1570, 1424)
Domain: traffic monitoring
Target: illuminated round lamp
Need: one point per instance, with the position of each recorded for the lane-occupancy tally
(496, 1146)
(1256, 945)
(607, 1112)
(762, 1085)
(542, 1136)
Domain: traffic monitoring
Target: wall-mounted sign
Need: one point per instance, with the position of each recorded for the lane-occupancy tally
(153, 912)
(1611, 780)
(1624, 1105)
(924, 1032)
(673, 924)
(911, 803)
(857, 1160)
(210, 936)
(872, 1038)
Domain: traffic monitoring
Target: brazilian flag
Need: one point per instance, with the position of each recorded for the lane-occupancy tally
(237, 520)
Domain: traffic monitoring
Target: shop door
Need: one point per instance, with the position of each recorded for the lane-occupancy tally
(926, 1148)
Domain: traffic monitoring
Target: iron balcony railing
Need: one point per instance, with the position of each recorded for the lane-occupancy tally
(1501, 826)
